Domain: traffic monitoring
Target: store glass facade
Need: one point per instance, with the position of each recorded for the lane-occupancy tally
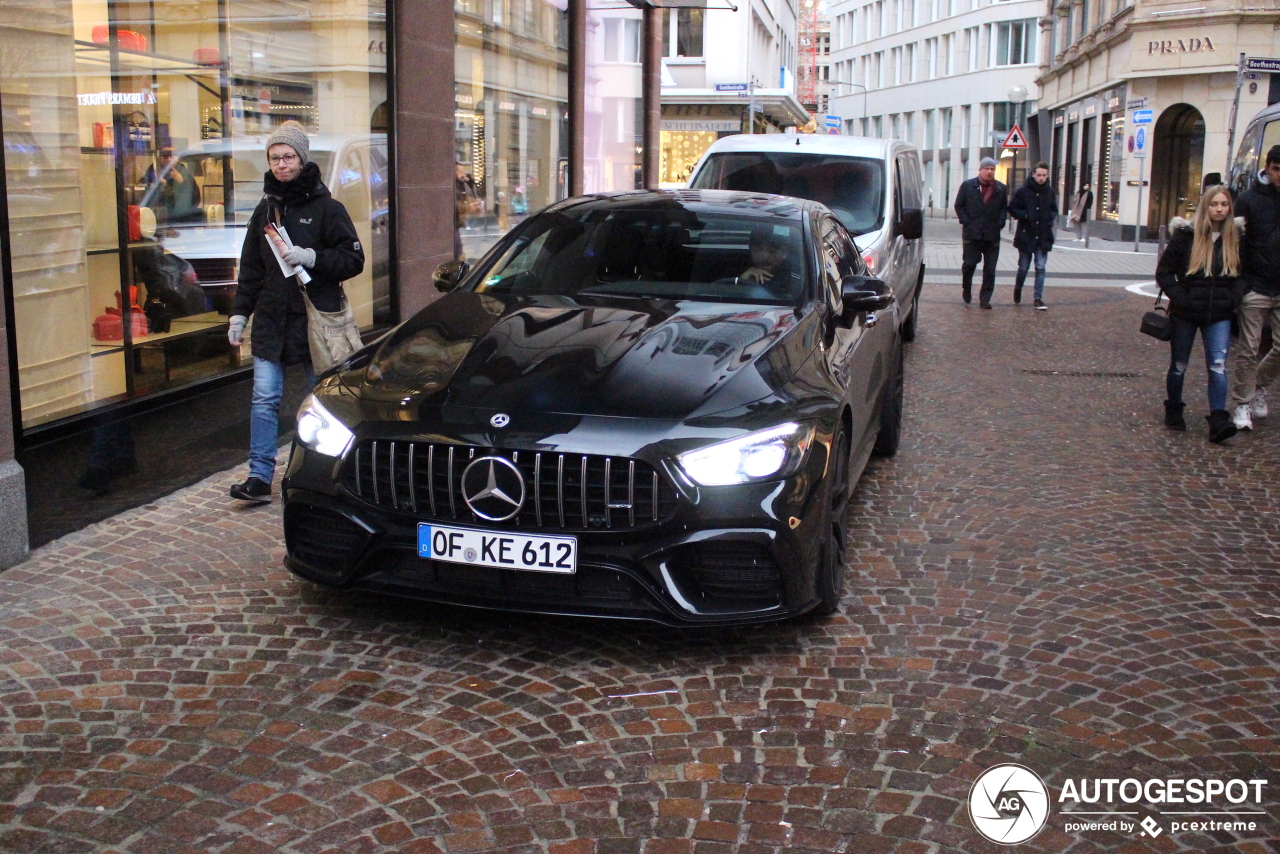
(613, 120)
(511, 119)
(134, 154)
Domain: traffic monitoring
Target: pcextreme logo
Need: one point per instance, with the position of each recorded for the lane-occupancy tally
(1010, 804)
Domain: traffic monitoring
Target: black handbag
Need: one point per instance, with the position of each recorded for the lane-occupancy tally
(1157, 322)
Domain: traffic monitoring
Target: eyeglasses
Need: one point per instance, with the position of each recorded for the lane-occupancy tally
(281, 158)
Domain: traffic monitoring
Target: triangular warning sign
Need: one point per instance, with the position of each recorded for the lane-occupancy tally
(1015, 139)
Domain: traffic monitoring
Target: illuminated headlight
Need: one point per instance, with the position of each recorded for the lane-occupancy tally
(773, 453)
(320, 431)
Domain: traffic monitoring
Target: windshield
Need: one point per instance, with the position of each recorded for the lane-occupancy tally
(853, 187)
(671, 252)
(230, 179)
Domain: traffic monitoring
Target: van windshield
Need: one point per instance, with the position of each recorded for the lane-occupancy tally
(853, 187)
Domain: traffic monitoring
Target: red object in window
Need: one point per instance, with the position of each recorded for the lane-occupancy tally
(127, 39)
(109, 326)
(104, 135)
(135, 223)
(207, 56)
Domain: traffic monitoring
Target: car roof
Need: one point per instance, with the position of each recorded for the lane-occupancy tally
(1267, 114)
(701, 201)
(850, 146)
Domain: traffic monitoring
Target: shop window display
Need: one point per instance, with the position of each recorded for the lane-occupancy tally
(134, 154)
(511, 118)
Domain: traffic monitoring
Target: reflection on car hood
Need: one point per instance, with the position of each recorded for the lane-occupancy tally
(647, 359)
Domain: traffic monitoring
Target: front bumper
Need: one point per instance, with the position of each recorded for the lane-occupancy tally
(725, 555)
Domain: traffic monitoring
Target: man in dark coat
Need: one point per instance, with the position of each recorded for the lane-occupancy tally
(326, 244)
(981, 206)
(1035, 207)
(1260, 260)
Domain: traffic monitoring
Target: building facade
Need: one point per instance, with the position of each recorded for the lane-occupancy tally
(133, 154)
(937, 73)
(717, 62)
(1115, 69)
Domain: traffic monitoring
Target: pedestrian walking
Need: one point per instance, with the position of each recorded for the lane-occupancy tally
(1260, 257)
(982, 208)
(1035, 207)
(1199, 272)
(326, 244)
(1080, 208)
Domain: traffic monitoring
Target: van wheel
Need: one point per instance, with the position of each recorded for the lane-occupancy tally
(908, 329)
(891, 409)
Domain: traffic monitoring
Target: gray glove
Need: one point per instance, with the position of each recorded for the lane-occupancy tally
(235, 329)
(300, 256)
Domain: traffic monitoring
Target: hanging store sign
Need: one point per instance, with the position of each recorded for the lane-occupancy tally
(703, 125)
(101, 99)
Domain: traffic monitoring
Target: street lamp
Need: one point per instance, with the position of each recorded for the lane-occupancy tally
(860, 86)
(1017, 96)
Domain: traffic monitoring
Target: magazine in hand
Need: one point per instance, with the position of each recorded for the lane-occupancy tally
(280, 244)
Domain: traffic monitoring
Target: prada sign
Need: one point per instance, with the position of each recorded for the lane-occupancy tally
(1180, 46)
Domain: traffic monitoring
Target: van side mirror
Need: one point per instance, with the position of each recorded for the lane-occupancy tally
(863, 293)
(911, 224)
(448, 275)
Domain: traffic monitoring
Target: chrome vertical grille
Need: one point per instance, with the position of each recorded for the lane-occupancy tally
(569, 492)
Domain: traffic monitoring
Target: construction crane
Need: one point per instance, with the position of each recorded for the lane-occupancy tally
(807, 73)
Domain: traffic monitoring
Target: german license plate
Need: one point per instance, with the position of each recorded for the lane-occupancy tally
(498, 549)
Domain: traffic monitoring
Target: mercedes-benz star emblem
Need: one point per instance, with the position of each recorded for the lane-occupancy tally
(500, 420)
(493, 488)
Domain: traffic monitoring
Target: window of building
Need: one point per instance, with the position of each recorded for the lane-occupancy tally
(134, 148)
(944, 119)
(879, 123)
(683, 30)
(1084, 19)
(910, 60)
(622, 40)
(1015, 42)
(971, 43)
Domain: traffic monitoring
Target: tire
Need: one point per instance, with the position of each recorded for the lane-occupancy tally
(908, 329)
(829, 580)
(891, 409)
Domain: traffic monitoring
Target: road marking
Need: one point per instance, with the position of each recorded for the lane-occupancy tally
(1146, 289)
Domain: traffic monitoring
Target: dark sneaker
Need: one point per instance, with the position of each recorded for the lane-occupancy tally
(984, 305)
(253, 489)
(1017, 294)
(1040, 306)
(967, 293)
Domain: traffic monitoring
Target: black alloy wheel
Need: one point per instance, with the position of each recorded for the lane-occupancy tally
(830, 577)
(908, 329)
(891, 409)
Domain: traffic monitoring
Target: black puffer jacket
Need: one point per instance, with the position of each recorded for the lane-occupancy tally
(1198, 298)
(1260, 253)
(1035, 207)
(315, 220)
(981, 221)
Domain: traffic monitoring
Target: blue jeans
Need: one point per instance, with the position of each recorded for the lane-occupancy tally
(1024, 264)
(1215, 337)
(264, 415)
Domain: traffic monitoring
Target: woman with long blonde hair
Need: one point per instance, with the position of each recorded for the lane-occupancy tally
(1199, 273)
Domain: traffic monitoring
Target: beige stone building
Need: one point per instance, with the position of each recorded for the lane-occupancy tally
(1109, 59)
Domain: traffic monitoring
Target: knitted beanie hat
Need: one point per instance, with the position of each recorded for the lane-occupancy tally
(293, 135)
(986, 161)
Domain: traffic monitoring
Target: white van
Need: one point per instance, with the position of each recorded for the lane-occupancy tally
(229, 173)
(874, 187)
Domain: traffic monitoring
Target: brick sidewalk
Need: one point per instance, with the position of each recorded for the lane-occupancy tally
(1043, 575)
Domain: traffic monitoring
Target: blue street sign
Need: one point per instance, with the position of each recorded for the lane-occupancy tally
(731, 87)
(1143, 117)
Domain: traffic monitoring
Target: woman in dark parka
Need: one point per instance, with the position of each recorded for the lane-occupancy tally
(1199, 272)
(326, 244)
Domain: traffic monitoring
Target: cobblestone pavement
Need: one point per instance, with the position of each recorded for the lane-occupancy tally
(1043, 575)
(1104, 264)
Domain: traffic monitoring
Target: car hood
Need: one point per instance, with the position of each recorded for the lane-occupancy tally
(663, 359)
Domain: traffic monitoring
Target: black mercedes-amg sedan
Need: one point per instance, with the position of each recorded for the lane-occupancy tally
(648, 405)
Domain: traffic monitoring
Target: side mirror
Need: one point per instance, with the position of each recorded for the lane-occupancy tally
(911, 225)
(449, 274)
(863, 293)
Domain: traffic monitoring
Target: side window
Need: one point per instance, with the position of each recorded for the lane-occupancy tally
(1270, 137)
(832, 261)
(909, 180)
(1245, 166)
(897, 189)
